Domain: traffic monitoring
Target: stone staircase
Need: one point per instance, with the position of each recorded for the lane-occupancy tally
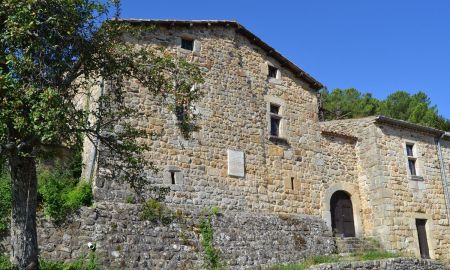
(356, 245)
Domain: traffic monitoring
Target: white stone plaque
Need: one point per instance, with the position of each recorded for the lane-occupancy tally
(236, 163)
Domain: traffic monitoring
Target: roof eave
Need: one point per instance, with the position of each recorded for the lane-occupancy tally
(401, 123)
(298, 72)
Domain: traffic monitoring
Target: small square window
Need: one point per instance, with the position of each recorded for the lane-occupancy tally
(272, 72)
(187, 44)
(274, 109)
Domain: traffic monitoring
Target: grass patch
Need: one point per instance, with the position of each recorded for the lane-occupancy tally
(308, 262)
(82, 263)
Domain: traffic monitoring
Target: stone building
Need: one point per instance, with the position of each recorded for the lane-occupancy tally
(287, 185)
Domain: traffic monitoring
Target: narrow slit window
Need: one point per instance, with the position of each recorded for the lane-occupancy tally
(272, 72)
(412, 167)
(409, 150)
(292, 183)
(187, 44)
(172, 178)
(275, 120)
(411, 159)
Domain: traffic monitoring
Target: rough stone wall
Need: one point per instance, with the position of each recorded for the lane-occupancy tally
(391, 264)
(234, 115)
(414, 199)
(391, 200)
(124, 241)
(368, 190)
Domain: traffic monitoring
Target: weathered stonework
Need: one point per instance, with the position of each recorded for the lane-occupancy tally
(274, 192)
(124, 240)
(391, 199)
(391, 264)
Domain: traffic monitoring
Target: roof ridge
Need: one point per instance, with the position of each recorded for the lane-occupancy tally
(284, 62)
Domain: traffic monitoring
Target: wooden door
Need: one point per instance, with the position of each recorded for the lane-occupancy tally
(422, 235)
(342, 215)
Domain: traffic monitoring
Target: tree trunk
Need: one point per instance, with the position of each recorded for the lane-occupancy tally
(24, 247)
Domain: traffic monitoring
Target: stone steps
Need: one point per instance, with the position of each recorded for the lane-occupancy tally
(356, 245)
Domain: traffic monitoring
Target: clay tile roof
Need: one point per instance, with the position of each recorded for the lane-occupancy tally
(313, 83)
(339, 134)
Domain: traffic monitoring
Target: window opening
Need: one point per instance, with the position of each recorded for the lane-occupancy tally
(275, 120)
(272, 72)
(411, 159)
(172, 177)
(187, 44)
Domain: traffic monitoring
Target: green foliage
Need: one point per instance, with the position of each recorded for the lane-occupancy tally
(82, 263)
(155, 211)
(62, 194)
(5, 201)
(414, 108)
(43, 73)
(378, 255)
(215, 210)
(207, 237)
(348, 103)
(130, 200)
(4, 263)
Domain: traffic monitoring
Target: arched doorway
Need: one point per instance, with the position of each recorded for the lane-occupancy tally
(342, 221)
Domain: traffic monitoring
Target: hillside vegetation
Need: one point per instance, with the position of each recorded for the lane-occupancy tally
(351, 103)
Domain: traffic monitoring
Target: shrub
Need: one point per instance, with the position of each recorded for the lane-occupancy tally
(5, 201)
(61, 194)
(4, 263)
(212, 254)
(154, 211)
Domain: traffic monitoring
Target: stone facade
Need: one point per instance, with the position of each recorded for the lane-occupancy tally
(235, 164)
(392, 199)
(274, 191)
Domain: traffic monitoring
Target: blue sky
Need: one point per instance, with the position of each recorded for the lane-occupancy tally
(375, 46)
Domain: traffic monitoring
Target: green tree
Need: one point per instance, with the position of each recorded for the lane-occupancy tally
(348, 103)
(53, 53)
(414, 108)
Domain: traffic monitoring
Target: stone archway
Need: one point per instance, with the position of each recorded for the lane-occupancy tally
(342, 220)
(352, 191)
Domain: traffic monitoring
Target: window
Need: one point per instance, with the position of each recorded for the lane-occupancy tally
(411, 159)
(275, 120)
(172, 178)
(292, 183)
(272, 72)
(187, 44)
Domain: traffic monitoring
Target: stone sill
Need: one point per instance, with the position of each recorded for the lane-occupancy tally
(275, 80)
(416, 178)
(277, 139)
